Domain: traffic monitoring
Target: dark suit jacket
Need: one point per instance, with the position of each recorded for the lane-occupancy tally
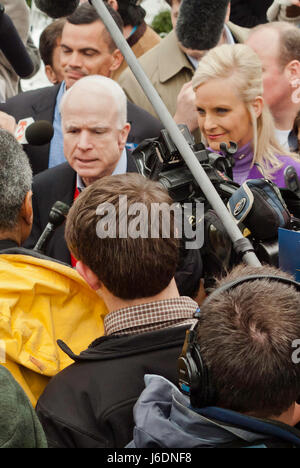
(40, 105)
(57, 183)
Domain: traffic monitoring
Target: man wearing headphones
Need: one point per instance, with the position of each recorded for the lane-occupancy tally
(239, 370)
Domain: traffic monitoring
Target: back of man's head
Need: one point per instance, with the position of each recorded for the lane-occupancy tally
(246, 336)
(15, 180)
(116, 228)
(131, 12)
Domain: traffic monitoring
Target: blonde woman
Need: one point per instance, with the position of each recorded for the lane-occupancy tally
(229, 89)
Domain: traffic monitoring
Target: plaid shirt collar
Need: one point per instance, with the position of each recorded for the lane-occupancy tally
(151, 316)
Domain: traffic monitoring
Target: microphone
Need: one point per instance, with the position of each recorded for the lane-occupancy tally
(291, 180)
(200, 23)
(12, 46)
(57, 216)
(33, 133)
(57, 8)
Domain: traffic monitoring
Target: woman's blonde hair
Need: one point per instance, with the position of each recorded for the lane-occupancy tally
(241, 63)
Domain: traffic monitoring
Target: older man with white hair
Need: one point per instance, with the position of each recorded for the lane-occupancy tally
(94, 145)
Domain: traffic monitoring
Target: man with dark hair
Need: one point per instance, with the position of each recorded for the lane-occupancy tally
(170, 68)
(108, 230)
(244, 373)
(15, 193)
(249, 14)
(49, 47)
(140, 36)
(86, 49)
(281, 75)
(28, 347)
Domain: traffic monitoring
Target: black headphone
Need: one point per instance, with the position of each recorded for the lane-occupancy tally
(193, 374)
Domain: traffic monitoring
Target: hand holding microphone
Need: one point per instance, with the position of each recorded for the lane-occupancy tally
(34, 133)
(27, 131)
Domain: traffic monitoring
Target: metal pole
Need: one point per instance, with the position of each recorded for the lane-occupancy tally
(195, 167)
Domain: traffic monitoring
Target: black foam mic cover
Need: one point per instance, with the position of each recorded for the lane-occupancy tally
(13, 48)
(39, 133)
(57, 216)
(200, 23)
(57, 8)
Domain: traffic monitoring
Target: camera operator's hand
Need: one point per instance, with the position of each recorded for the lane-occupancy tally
(7, 122)
(186, 109)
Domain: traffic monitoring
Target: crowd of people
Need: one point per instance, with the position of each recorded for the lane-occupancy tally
(109, 335)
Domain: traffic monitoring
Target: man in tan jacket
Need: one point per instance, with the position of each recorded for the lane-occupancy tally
(140, 36)
(170, 70)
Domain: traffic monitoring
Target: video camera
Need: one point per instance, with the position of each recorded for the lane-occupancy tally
(159, 159)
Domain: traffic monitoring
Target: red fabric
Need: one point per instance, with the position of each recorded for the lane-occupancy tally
(73, 259)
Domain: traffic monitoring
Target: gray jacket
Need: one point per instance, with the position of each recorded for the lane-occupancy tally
(163, 418)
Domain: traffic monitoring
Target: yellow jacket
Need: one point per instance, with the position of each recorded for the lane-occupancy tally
(42, 301)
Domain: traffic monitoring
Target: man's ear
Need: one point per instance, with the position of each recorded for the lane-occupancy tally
(117, 60)
(88, 275)
(51, 75)
(123, 135)
(292, 71)
(26, 209)
(113, 4)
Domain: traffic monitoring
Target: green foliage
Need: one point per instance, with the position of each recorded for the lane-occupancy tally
(28, 2)
(162, 23)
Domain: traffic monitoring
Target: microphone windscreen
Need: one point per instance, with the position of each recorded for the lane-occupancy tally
(39, 133)
(13, 48)
(57, 8)
(58, 213)
(200, 23)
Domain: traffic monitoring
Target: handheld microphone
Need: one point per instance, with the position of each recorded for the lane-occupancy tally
(57, 216)
(38, 133)
(57, 8)
(291, 180)
(12, 46)
(200, 23)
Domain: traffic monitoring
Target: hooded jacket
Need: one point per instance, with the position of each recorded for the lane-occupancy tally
(42, 301)
(164, 418)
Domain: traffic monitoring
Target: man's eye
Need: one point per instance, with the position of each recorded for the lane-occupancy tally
(221, 110)
(89, 53)
(201, 111)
